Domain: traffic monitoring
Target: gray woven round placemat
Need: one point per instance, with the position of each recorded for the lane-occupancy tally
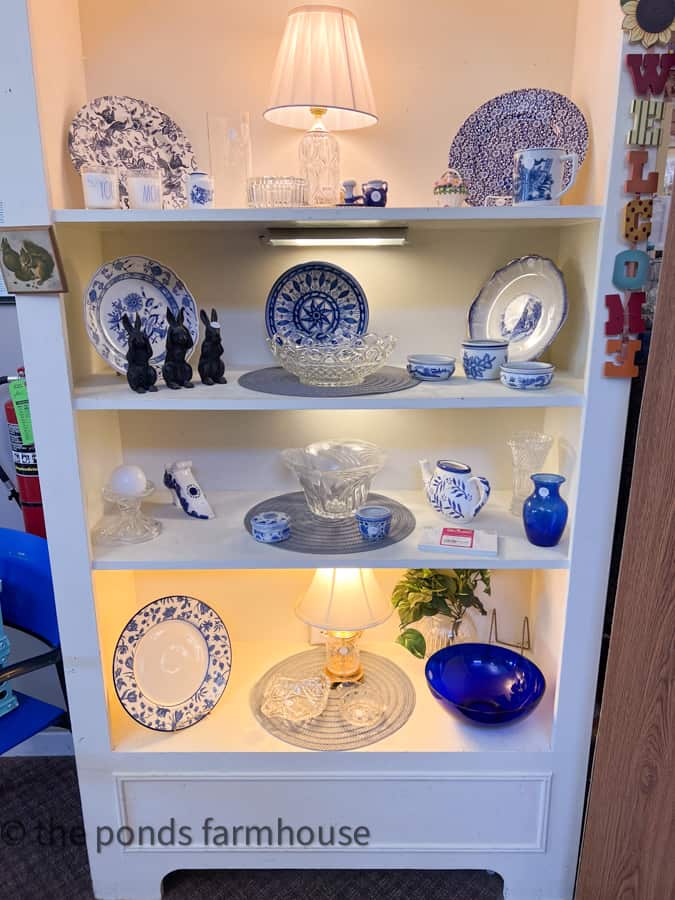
(329, 731)
(275, 380)
(312, 534)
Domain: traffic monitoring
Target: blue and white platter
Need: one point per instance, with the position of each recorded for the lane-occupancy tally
(131, 285)
(317, 300)
(172, 663)
(525, 303)
(483, 148)
(132, 134)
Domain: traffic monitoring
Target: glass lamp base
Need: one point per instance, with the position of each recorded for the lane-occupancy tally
(343, 657)
(320, 166)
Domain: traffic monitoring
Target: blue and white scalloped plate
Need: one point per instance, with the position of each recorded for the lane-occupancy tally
(135, 284)
(172, 663)
(525, 303)
(316, 300)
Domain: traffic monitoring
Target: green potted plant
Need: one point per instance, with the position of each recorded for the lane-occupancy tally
(443, 595)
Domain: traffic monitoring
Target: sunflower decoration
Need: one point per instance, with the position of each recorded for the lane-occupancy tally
(649, 21)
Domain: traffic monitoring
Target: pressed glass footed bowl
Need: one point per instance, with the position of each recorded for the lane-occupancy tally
(335, 475)
(333, 362)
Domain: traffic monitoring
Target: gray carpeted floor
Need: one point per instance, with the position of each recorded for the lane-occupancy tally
(52, 862)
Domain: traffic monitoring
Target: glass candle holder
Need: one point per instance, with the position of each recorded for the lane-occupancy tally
(144, 187)
(529, 450)
(129, 525)
(101, 187)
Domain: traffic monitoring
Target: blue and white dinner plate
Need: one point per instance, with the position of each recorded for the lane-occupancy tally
(483, 148)
(317, 300)
(525, 303)
(172, 663)
(132, 134)
(135, 284)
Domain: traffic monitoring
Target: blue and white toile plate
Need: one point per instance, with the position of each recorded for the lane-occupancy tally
(317, 300)
(135, 284)
(132, 134)
(172, 663)
(483, 148)
(525, 303)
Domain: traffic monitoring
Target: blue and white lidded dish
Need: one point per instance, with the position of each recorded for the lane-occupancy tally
(527, 376)
(374, 522)
(482, 359)
(271, 527)
(201, 191)
(430, 367)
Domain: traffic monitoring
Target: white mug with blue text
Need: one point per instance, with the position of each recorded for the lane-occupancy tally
(538, 175)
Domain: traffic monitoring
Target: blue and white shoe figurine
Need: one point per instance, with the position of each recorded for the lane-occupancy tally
(271, 527)
(186, 491)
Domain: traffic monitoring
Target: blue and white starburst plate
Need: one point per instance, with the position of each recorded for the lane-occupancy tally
(135, 284)
(172, 663)
(525, 303)
(483, 148)
(317, 300)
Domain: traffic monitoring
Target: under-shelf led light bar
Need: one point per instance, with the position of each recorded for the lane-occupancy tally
(336, 237)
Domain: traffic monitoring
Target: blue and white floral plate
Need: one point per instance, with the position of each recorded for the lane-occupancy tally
(132, 134)
(483, 148)
(135, 284)
(525, 303)
(317, 300)
(172, 663)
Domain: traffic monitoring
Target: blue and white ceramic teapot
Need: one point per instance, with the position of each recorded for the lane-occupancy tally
(453, 491)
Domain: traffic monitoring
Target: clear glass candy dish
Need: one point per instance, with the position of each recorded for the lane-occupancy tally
(334, 361)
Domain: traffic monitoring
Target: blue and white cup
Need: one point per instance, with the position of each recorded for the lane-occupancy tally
(201, 191)
(374, 522)
(271, 527)
(375, 192)
(482, 359)
(431, 367)
(538, 175)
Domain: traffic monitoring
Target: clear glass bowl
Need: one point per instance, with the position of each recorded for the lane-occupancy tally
(296, 701)
(335, 475)
(269, 191)
(333, 362)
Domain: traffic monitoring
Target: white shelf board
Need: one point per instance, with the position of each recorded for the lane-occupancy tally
(112, 392)
(232, 728)
(489, 217)
(224, 543)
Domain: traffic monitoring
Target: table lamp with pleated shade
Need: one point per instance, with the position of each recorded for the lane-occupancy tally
(321, 82)
(344, 602)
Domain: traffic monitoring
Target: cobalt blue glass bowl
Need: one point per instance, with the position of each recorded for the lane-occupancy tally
(486, 683)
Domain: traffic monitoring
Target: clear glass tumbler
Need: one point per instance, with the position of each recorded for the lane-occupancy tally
(231, 157)
(529, 450)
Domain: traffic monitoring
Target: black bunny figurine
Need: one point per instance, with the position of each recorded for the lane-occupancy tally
(140, 374)
(211, 367)
(177, 373)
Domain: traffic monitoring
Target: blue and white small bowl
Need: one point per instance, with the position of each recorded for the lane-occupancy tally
(271, 527)
(429, 367)
(374, 522)
(527, 376)
(482, 359)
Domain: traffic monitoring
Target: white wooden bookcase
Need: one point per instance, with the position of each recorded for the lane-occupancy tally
(437, 794)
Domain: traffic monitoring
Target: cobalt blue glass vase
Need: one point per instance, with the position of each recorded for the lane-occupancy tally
(545, 511)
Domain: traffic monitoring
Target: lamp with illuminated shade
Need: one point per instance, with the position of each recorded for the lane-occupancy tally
(344, 602)
(321, 76)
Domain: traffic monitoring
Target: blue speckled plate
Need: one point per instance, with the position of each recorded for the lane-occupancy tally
(317, 300)
(525, 303)
(484, 146)
(172, 663)
(135, 284)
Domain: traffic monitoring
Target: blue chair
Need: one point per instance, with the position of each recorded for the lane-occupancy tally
(27, 601)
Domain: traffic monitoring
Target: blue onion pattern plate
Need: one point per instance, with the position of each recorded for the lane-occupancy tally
(317, 300)
(525, 303)
(172, 663)
(132, 134)
(484, 146)
(135, 284)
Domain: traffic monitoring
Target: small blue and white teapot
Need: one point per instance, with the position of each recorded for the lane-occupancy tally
(453, 491)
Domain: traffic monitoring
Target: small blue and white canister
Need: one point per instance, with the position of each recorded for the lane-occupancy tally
(374, 522)
(201, 191)
(482, 359)
(271, 527)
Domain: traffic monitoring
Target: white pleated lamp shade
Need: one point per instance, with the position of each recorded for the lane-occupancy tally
(321, 65)
(344, 600)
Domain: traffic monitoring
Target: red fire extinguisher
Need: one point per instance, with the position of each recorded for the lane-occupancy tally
(28, 480)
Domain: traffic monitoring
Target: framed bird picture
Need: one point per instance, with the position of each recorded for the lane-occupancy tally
(29, 261)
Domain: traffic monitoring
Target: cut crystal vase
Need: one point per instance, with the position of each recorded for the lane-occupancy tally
(529, 450)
